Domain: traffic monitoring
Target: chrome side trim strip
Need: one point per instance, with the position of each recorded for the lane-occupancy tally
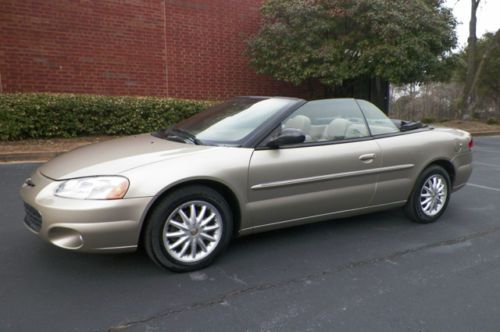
(330, 177)
(397, 203)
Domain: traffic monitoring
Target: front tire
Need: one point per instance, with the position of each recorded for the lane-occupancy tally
(430, 195)
(188, 229)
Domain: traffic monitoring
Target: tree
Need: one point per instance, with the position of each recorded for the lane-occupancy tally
(486, 80)
(469, 94)
(337, 41)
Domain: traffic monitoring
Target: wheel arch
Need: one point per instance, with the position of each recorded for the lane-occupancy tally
(224, 190)
(411, 209)
(448, 167)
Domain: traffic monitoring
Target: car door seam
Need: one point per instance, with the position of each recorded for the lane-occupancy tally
(381, 154)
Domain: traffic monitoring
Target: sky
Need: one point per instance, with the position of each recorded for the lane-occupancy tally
(488, 17)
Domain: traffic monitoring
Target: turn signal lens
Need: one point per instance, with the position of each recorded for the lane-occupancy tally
(118, 191)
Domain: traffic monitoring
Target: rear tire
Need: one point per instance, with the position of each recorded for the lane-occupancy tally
(430, 196)
(188, 229)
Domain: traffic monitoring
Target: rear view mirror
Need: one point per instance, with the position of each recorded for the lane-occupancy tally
(288, 136)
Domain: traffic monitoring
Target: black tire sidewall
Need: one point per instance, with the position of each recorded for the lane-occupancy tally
(415, 209)
(156, 222)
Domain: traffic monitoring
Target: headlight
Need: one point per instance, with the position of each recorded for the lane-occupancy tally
(99, 187)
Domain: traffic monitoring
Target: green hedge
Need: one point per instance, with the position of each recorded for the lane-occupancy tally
(41, 115)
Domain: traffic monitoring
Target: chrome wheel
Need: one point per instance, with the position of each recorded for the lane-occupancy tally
(192, 231)
(433, 195)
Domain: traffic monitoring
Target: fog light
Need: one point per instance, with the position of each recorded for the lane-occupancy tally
(65, 238)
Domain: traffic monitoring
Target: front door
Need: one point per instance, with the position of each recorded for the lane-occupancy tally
(335, 170)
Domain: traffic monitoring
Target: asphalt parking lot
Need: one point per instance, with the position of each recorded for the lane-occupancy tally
(378, 272)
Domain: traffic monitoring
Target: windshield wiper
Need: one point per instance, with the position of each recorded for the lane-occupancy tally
(186, 135)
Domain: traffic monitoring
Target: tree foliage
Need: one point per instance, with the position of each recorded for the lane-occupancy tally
(334, 41)
(486, 79)
(488, 84)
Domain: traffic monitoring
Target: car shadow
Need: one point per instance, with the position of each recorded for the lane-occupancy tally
(244, 253)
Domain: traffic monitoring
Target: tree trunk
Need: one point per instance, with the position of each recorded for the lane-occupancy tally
(469, 94)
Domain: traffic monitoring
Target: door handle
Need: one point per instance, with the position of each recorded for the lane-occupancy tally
(367, 158)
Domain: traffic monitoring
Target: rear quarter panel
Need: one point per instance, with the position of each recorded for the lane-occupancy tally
(420, 148)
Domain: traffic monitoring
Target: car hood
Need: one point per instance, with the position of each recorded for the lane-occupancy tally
(115, 156)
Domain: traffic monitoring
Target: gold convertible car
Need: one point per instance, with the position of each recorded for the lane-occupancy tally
(248, 165)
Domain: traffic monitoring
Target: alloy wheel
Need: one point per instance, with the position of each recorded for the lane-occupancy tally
(433, 195)
(192, 231)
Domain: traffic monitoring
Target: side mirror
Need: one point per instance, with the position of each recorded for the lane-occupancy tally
(288, 136)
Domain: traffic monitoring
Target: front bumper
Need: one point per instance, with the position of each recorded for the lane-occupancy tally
(82, 225)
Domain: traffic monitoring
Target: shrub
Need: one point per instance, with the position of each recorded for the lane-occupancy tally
(42, 115)
(492, 121)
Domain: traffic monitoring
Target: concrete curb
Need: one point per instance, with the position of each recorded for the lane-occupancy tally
(28, 156)
(485, 133)
(44, 156)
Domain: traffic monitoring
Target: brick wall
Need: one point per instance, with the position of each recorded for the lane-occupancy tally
(176, 48)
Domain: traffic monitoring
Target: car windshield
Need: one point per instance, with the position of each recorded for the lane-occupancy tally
(228, 123)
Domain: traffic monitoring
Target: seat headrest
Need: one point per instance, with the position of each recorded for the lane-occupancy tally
(336, 129)
(300, 122)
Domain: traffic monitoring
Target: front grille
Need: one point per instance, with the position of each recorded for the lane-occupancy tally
(33, 219)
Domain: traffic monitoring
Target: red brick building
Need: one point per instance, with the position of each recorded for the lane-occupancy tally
(174, 48)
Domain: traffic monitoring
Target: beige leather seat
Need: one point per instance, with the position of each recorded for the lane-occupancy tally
(301, 122)
(336, 129)
(356, 130)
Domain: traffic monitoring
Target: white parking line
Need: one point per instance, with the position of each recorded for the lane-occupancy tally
(483, 187)
(485, 150)
(486, 164)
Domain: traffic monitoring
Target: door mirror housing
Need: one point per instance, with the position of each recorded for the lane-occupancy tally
(288, 136)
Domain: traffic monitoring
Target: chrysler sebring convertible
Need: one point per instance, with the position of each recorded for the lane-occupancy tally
(248, 165)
